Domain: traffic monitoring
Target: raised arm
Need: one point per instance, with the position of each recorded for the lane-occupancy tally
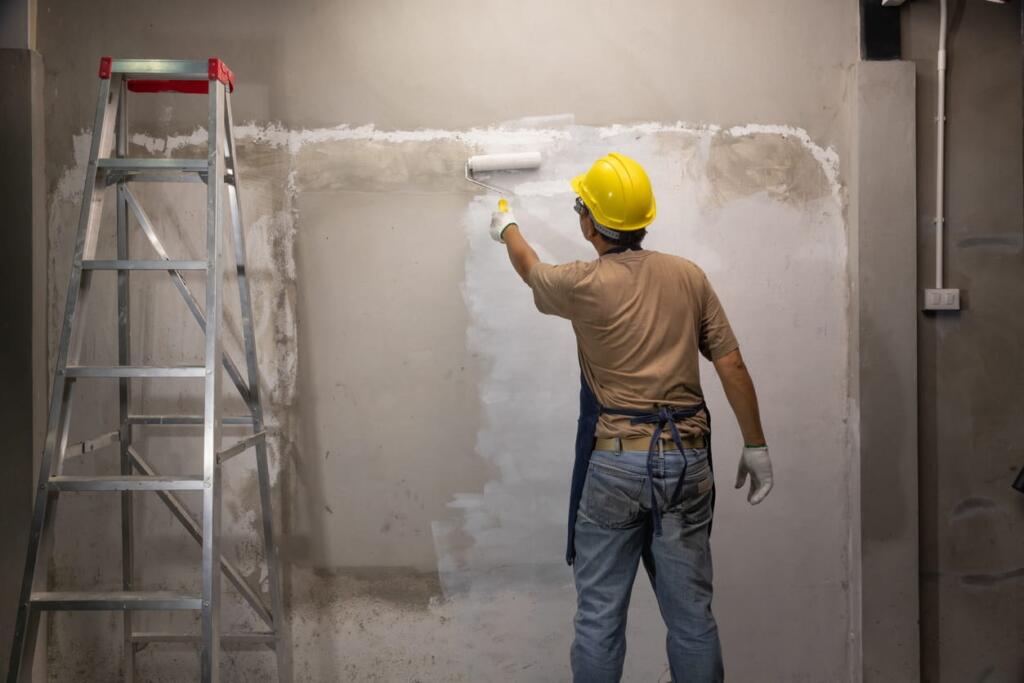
(505, 229)
(520, 252)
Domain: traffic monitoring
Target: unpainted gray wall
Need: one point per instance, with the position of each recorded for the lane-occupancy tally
(972, 522)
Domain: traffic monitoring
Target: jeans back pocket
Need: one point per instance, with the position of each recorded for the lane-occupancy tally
(693, 504)
(611, 496)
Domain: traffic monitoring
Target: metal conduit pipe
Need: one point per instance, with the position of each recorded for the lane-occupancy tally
(940, 148)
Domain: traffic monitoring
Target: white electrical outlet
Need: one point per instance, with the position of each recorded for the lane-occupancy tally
(942, 299)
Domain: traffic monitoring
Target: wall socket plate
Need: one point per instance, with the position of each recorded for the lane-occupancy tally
(942, 299)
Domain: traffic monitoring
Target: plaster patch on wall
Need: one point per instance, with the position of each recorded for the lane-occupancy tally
(295, 139)
(827, 157)
(512, 135)
(271, 247)
(71, 181)
(777, 165)
(171, 143)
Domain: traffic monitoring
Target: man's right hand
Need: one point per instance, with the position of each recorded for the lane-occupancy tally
(500, 220)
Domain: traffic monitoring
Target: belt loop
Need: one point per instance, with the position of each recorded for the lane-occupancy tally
(618, 444)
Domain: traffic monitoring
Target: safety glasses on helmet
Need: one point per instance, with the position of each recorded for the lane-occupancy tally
(580, 208)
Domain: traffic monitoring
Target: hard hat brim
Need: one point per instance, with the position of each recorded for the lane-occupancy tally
(577, 185)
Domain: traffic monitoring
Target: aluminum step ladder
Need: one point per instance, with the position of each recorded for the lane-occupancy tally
(110, 165)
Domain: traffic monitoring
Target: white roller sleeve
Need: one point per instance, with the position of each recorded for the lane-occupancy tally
(504, 162)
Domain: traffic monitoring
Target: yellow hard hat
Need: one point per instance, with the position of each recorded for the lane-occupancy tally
(618, 193)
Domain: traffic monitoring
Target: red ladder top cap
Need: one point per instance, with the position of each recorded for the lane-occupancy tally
(219, 71)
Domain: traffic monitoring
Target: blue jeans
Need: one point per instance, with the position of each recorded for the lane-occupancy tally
(613, 532)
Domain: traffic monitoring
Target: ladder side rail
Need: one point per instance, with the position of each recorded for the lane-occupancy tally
(186, 292)
(124, 388)
(50, 520)
(283, 648)
(61, 449)
(31, 629)
(60, 392)
(210, 630)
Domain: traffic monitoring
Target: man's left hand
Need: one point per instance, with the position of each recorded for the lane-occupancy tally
(755, 462)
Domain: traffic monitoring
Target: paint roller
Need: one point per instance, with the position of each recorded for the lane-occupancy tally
(488, 163)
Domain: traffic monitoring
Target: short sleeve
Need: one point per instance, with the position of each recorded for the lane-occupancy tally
(554, 286)
(716, 336)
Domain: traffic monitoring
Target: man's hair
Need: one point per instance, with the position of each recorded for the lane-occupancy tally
(621, 238)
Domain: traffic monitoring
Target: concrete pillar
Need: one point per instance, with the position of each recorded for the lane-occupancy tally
(883, 210)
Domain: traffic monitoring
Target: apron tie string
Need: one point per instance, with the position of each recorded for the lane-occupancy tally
(663, 416)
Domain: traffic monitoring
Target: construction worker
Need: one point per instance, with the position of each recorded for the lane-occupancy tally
(642, 484)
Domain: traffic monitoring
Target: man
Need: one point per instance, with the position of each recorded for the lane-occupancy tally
(643, 485)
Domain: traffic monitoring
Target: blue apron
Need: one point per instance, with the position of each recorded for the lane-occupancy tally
(586, 431)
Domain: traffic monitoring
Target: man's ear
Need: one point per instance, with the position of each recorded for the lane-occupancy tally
(588, 229)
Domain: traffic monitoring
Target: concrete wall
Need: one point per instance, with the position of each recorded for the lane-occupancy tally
(421, 412)
(970, 362)
(22, 325)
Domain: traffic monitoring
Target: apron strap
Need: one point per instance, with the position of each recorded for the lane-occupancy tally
(662, 417)
(586, 430)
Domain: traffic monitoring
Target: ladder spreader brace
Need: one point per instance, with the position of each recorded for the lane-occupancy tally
(110, 165)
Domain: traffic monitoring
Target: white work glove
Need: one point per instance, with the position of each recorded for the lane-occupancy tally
(755, 462)
(500, 220)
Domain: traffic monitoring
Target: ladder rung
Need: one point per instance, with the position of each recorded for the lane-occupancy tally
(115, 600)
(126, 165)
(185, 420)
(120, 264)
(179, 68)
(257, 637)
(125, 483)
(116, 371)
(157, 178)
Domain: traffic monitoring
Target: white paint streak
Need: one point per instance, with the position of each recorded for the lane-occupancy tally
(549, 121)
(546, 188)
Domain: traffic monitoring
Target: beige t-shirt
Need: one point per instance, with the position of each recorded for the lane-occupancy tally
(640, 319)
